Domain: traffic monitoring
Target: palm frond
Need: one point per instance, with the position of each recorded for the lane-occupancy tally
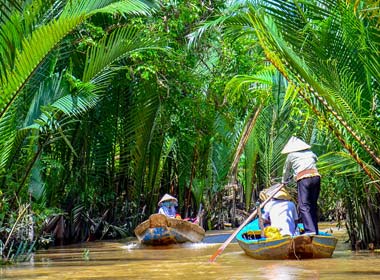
(114, 47)
(209, 25)
(76, 105)
(230, 135)
(250, 86)
(11, 33)
(49, 91)
(7, 7)
(133, 7)
(143, 118)
(43, 40)
(35, 50)
(80, 7)
(7, 137)
(338, 162)
(301, 67)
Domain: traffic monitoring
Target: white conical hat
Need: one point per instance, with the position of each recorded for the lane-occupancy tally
(167, 197)
(294, 145)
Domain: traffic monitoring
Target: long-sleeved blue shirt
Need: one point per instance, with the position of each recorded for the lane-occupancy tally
(167, 211)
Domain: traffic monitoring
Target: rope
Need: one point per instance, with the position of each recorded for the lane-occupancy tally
(293, 244)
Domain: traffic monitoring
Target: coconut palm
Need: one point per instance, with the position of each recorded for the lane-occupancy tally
(33, 49)
(328, 51)
(261, 95)
(323, 59)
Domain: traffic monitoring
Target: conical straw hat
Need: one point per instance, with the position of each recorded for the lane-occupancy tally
(167, 197)
(282, 194)
(294, 145)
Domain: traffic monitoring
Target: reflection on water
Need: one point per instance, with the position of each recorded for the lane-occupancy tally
(130, 260)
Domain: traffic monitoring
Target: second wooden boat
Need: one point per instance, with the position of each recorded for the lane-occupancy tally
(161, 230)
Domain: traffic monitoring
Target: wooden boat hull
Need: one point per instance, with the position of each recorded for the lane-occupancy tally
(290, 247)
(161, 230)
(266, 250)
(312, 247)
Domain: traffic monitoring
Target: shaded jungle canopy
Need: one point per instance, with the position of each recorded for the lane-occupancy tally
(107, 105)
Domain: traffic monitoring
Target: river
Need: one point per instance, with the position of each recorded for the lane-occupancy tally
(130, 260)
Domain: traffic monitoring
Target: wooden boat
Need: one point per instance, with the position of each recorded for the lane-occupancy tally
(162, 230)
(289, 247)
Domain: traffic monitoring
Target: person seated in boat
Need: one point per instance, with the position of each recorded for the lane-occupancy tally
(167, 206)
(280, 212)
(192, 220)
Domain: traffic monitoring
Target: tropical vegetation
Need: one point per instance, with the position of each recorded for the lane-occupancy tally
(107, 105)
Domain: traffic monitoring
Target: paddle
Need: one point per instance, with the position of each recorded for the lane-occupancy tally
(254, 213)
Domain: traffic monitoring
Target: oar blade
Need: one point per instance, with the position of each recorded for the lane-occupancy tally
(216, 254)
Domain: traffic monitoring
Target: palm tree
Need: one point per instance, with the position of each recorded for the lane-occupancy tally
(35, 48)
(261, 96)
(42, 96)
(324, 61)
(328, 51)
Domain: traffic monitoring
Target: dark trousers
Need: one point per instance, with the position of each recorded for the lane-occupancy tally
(308, 193)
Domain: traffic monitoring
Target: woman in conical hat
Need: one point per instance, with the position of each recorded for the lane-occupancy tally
(167, 205)
(301, 164)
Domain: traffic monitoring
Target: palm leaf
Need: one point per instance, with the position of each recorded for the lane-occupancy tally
(275, 36)
(7, 7)
(43, 40)
(84, 7)
(114, 47)
(7, 137)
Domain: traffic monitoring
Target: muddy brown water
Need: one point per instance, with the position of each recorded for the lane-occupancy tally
(130, 260)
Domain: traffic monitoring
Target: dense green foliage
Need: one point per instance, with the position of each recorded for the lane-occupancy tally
(107, 105)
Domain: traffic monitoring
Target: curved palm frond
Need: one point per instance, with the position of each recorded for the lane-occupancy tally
(35, 50)
(84, 7)
(143, 118)
(251, 86)
(300, 27)
(230, 135)
(113, 47)
(44, 39)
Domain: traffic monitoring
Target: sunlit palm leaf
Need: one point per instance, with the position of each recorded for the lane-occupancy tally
(7, 137)
(285, 35)
(35, 49)
(113, 47)
(141, 130)
(76, 105)
(44, 39)
(81, 7)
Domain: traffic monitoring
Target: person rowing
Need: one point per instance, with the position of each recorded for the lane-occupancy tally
(302, 161)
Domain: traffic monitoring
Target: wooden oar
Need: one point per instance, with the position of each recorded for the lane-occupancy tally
(254, 213)
(261, 222)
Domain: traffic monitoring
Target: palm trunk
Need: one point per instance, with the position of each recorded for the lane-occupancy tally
(239, 151)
